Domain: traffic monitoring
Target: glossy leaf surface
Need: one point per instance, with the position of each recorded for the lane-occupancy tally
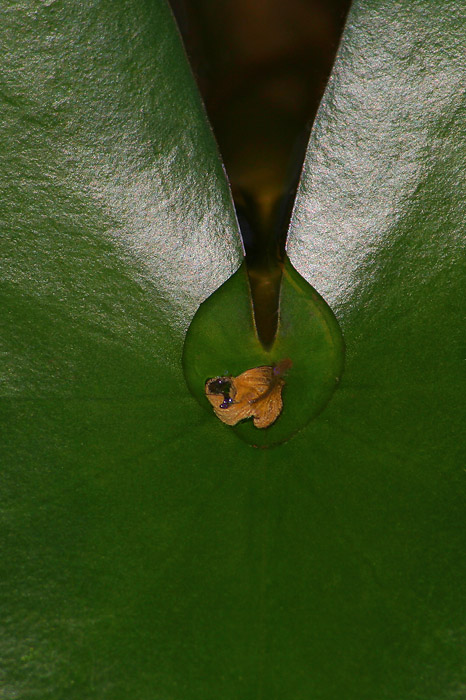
(150, 552)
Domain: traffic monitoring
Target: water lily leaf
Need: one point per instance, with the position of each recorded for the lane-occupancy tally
(149, 552)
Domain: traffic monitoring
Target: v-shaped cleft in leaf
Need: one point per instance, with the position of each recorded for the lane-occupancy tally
(222, 341)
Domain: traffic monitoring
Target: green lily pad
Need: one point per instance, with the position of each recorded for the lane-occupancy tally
(148, 552)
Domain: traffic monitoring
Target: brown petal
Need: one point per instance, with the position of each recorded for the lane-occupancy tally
(256, 393)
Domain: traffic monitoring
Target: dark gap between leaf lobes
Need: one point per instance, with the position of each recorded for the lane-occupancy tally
(262, 70)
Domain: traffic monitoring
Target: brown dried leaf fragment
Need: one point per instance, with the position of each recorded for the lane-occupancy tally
(256, 394)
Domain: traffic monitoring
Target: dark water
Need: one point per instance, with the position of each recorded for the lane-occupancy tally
(262, 67)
